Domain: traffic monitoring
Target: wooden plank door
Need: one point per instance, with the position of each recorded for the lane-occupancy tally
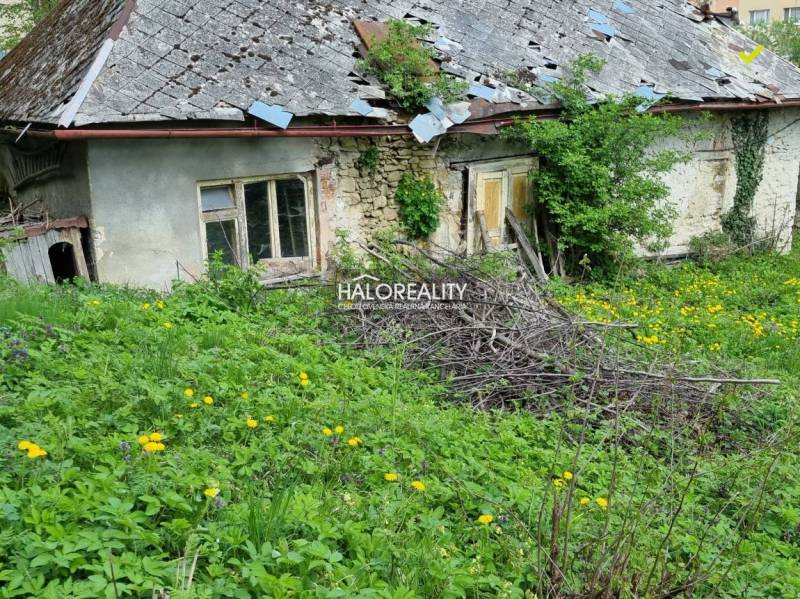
(490, 198)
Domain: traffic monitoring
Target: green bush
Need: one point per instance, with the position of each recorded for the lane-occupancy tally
(405, 67)
(598, 179)
(420, 203)
(711, 247)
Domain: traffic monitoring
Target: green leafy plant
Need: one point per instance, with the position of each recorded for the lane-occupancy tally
(598, 178)
(18, 17)
(405, 66)
(368, 159)
(750, 133)
(711, 247)
(514, 503)
(420, 203)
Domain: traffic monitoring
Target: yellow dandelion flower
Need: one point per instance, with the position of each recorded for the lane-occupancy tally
(160, 305)
(150, 446)
(160, 447)
(143, 439)
(303, 376)
(418, 485)
(304, 382)
(24, 445)
(167, 325)
(208, 400)
(34, 451)
(145, 306)
(194, 405)
(244, 395)
(558, 483)
(584, 500)
(327, 432)
(188, 392)
(602, 502)
(155, 436)
(211, 492)
(485, 519)
(392, 477)
(95, 302)
(354, 441)
(339, 430)
(567, 475)
(269, 418)
(252, 423)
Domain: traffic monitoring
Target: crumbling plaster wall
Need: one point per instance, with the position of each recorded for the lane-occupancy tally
(364, 201)
(145, 216)
(703, 188)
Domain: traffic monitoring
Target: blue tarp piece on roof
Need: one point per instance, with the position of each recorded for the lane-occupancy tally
(436, 106)
(605, 29)
(361, 107)
(649, 95)
(272, 113)
(714, 72)
(482, 91)
(426, 126)
(458, 112)
(623, 7)
(597, 17)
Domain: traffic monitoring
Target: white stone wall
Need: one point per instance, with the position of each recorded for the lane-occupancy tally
(703, 189)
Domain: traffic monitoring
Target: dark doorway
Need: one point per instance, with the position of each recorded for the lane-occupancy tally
(62, 261)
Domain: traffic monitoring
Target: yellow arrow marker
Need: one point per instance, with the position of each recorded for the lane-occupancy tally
(748, 58)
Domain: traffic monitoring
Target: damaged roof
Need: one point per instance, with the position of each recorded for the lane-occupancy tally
(105, 61)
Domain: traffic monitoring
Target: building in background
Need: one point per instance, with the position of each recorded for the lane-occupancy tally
(753, 12)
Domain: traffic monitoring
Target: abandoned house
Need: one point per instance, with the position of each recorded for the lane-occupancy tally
(148, 134)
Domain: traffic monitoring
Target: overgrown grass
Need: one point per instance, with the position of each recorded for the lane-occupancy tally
(84, 372)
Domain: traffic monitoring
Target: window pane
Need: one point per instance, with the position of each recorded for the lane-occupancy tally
(256, 204)
(291, 202)
(791, 14)
(221, 236)
(759, 16)
(216, 198)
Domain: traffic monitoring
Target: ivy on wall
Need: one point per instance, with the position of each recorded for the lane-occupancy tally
(749, 132)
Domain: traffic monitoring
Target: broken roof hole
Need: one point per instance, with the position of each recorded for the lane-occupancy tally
(550, 65)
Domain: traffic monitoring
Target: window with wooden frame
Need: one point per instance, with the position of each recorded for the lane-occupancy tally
(494, 187)
(259, 220)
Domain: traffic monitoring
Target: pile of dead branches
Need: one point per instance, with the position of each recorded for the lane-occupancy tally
(509, 344)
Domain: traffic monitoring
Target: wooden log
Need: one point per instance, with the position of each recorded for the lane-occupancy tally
(530, 255)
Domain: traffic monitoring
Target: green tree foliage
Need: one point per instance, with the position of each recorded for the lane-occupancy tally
(598, 176)
(419, 202)
(18, 18)
(781, 37)
(406, 68)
